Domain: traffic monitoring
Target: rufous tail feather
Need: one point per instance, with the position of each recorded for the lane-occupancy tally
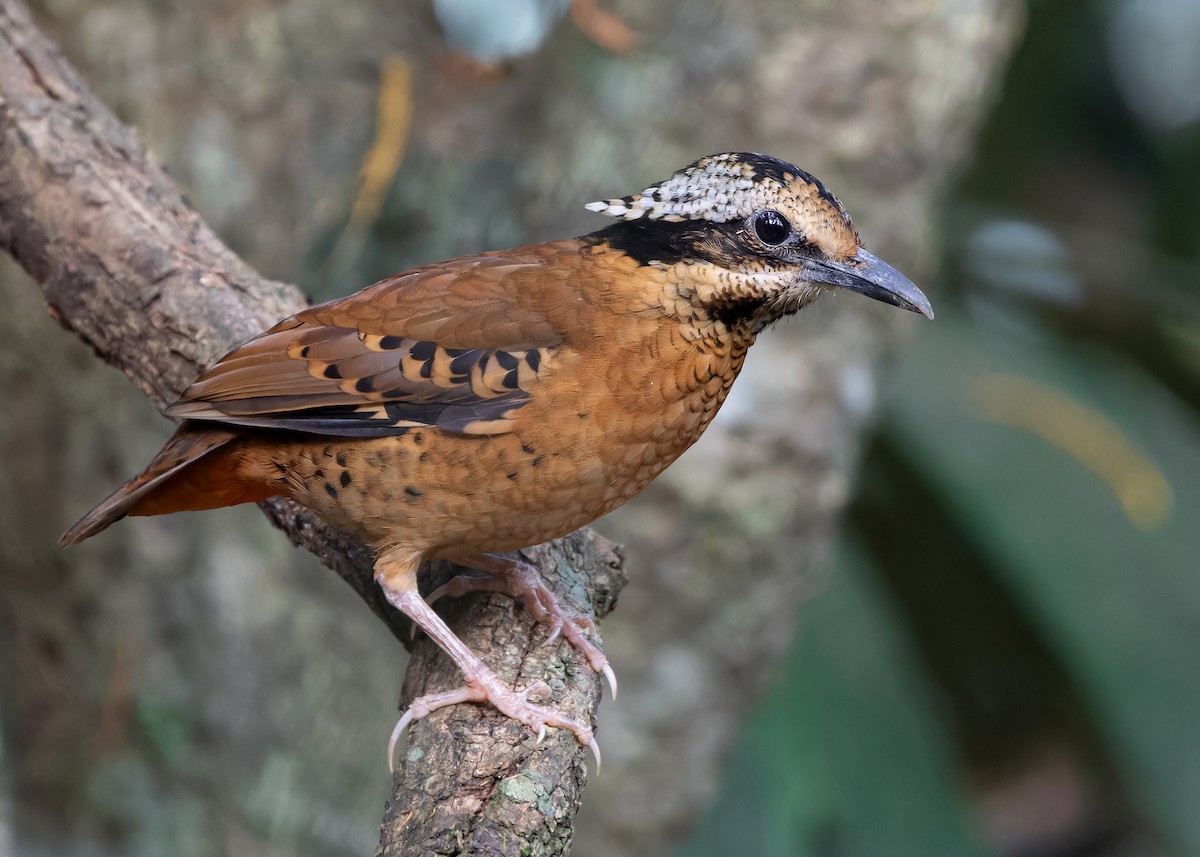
(195, 469)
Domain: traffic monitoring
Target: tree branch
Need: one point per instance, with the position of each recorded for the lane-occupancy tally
(131, 268)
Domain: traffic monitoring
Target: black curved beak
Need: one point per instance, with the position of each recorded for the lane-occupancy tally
(871, 276)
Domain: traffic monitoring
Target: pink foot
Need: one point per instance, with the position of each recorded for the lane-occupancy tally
(397, 577)
(486, 687)
(521, 580)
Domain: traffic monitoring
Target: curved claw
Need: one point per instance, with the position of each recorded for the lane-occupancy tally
(397, 731)
(595, 748)
(612, 681)
(423, 706)
(541, 736)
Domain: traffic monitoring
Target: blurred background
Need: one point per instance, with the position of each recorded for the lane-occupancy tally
(924, 588)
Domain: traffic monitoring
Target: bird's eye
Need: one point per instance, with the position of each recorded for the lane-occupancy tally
(771, 227)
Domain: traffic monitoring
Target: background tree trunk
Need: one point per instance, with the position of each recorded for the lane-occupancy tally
(151, 709)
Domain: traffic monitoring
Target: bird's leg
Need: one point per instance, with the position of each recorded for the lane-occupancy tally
(521, 580)
(397, 576)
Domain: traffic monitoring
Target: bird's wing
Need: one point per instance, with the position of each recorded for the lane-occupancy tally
(450, 345)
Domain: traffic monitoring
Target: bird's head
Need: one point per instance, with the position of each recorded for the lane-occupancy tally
(759, 237)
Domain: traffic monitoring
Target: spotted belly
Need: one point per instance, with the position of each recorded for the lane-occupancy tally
(451, 496)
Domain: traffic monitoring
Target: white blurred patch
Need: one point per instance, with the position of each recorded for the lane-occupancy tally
(1022, 259)
(492, 30)
(856, 384)
(1154, 51)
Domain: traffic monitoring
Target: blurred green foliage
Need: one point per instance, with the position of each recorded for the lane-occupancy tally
(1004, 660)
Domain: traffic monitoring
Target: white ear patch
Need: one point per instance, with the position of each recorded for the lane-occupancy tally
(718, 188)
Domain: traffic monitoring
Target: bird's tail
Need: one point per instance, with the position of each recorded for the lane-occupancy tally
(195, 469)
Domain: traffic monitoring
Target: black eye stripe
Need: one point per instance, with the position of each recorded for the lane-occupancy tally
(669, 242)
(771, 227)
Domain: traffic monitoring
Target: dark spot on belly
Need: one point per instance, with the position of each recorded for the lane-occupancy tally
(413, 492)
(318, 473)
(527, 449)
(583, 415)
(537, 462)
(418, 438)
(513, 476)
(345, 478)
(382, 457)
(341, 459)
(424, 456)
(331, 491)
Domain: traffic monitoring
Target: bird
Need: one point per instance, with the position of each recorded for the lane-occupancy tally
(467, 409)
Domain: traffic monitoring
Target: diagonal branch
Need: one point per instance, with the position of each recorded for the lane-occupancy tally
(132, 269)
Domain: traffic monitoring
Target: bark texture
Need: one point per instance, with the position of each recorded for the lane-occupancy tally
(264, 112)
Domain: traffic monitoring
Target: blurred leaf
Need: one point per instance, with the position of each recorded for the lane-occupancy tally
(1120, 606)
(846, 757)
